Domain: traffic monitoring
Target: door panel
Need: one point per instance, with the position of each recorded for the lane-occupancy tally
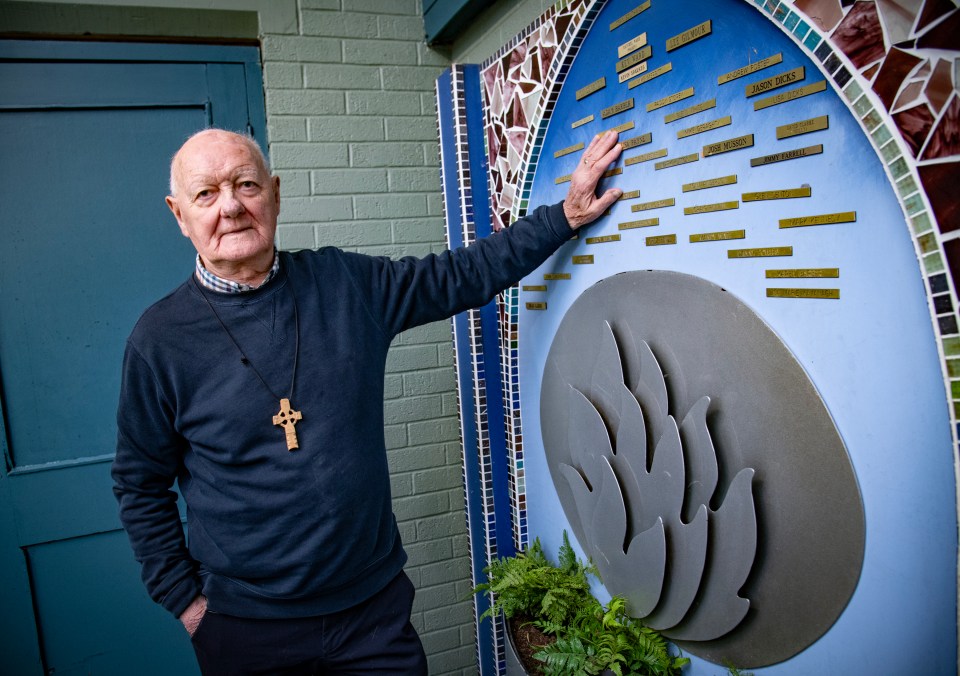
(86, 243)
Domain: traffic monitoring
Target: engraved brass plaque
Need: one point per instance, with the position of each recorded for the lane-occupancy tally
(707, 208)
(676, 161)
(642, 7)
(536, 306)
(603, 240)
(646, 157)
(656, 72)
(639, 69)
(822, 219)
(689, 35)
(568, 150)
(632, 45)
(660, 240)
(726, 146)
(655, 204)
(620, 128)
(643, 223)
(775, 82)
(706, 126)
(752, 68)
(673, 98)
(617, 108)
(583, 260)
(804, 293)
(535, 287)
(718, 236)
(582, 121)
(787, 155)
(710, 183)
(630, 195)
(556, 276)
(635, 141)
(787, 193)
(760, 252)
(692, 110)
(634, 58)
(562, 179)
(616, 171)
(803, 127)
(803, 273)
(791, 95)
(594, 86)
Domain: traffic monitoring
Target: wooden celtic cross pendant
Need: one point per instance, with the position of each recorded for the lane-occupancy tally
(287, 418)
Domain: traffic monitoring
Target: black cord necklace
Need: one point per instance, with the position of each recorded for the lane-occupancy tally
(286, 417)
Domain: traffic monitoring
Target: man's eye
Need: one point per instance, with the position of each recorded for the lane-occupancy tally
(204, 194)
(248, 185)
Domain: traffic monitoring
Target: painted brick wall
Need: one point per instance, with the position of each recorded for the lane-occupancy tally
(351, 121)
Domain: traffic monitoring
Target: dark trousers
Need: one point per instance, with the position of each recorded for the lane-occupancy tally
(375, 637)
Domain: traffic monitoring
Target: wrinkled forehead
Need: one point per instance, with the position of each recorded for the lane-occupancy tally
(215, 158)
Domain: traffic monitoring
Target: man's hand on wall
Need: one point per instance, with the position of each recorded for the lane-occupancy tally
(582, 205)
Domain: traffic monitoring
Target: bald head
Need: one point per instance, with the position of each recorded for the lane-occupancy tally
(205, 137)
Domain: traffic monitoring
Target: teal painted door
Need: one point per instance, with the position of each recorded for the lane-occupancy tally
(86, 243)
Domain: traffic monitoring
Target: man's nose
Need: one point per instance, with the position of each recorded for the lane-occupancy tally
(231, 207)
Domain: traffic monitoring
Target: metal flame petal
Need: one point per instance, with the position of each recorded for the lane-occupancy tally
(700, 455)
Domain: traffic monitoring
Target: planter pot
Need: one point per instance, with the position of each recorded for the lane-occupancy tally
(514, 665)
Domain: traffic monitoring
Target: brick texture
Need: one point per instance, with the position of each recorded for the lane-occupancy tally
(352, 130)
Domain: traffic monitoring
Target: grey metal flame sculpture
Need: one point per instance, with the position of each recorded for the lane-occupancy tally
(738, 532)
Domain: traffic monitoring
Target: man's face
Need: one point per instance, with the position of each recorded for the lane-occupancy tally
(226, 202)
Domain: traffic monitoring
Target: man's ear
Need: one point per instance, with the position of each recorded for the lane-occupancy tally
(276, 190)
(175, 208)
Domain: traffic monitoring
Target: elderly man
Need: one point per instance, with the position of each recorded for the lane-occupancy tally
(258, 385)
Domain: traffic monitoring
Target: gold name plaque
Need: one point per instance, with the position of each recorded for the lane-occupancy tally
(612, 172)
(642, 7)
(689, 35)
(639, 69)
(692, 110)
(644, 223)
(536, 306)
(646, 157)
(673, 98)
(787, 155)
(583, 260)
(726, 146)
(635, 141)
(568, 150)
(656, 72)
(812, 273)
(656, 204)
(790, 95)
(555, 276)
(761, 252)
(616, 108)
(710, 183)
(676, 161)
(718, 236)
(660, 240)
(630, 195)
(775, 82)
(707, 208)
(582, 121)
(787, 193)
(631, 45)
(752, 68)
(823, 219)
(706, 126)
(620, 128)
(634, 59)
(594, 86)
(603, 240)
(804, 293)
(535, 287)
(803, 127)
(562, 179)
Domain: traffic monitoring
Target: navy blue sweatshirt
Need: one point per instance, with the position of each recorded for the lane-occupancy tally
(277, 533)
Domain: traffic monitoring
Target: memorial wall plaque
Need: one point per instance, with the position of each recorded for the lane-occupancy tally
(727, 146)
(534, 287)
(537, 306)
(804, 293)
(790, 273)
(787, 155)
(629, 195)
(689, 35)
(803, 127)
(708, 208)
(718, 236)
(775, 82)
(646, 157)
(643, 223)
(635, 58)
(822, 219)
(656, 72)
(635, 141)
(568, 150)
(655, 204)
(617, 108)
(594, 86)
(760, 252)
(677, 161)
(706, 126)
(629, 73)
(603, 239)
(562, 179)
(752, 68)
(692, 110)
(791, 95)
(616, 171)
(643, 6)
(787, 193)
(661, 240)
(556, 276)
(710, 183)
(582, 121)
(673, 98)
(632, 45)
(620, 128)
(583, 260)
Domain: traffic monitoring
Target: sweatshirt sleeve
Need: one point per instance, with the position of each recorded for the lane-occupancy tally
(413, 291)
(147, 462)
